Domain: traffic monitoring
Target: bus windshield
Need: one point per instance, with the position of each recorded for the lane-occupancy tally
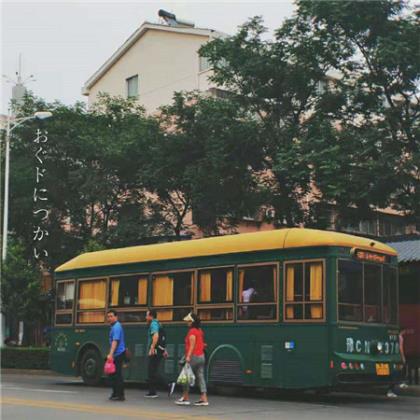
(367, 292)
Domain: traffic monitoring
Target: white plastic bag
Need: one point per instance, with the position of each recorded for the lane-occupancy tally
(186, 376)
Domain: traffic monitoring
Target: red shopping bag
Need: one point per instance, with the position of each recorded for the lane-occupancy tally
(109, 367)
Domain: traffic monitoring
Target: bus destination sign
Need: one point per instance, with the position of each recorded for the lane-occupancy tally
(363, 255)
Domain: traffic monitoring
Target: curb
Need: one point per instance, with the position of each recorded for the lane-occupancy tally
(411, 391)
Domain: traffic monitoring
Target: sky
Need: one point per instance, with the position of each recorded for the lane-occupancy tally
(62, 43)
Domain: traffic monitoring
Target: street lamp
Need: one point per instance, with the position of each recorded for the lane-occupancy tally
(41, 115)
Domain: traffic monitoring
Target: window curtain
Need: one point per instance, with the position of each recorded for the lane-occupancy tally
(115, 288)
(91, 317)
(315, 292)
(205, 286)
(290, 283)
(229, 285)
(69, 291)
(290, 312)
(92, 294)
(290, 291)
(315, 289)
(205, 315)
(142, 291)
(241, 284)
(166, 315)
(163, 291)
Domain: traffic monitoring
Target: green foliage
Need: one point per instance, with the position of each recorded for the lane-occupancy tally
(24, 358)
(205, 162)
(337, 95)
(20, 285)
(92, 161)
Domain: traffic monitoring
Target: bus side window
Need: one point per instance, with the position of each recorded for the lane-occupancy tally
(172, 295)
(64, 302)
(257, 293)
(91, 301)
(215, 294)
(304, 291)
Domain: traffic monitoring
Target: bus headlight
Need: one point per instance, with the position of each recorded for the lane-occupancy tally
(379, 347)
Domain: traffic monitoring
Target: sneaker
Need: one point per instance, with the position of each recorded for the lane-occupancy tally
(118, 398)
(391, 394)
(181, 401)
(151, 395)
(201, 402)
(171, 388)
(403, 385)
(112, 396)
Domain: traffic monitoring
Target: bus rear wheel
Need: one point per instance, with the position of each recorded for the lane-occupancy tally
(91, 367)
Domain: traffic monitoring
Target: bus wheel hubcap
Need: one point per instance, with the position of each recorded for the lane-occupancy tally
(90, 367)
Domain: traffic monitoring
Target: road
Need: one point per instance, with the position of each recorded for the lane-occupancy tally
(56, 397)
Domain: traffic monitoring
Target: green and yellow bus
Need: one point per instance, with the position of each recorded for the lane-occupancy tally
(322, 312)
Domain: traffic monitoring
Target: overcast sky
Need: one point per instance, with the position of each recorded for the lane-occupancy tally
(64, 42)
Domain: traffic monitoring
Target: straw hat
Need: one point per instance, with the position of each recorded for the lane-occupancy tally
(189, 318)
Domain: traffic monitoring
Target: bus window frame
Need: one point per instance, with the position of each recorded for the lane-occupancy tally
(131, 308)
(65, 311)
(227, 305)
(76, 306)
(158, 308)
(237, 304)
(304, 302)
(363, 322)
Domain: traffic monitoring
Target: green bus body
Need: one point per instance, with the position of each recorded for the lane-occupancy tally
(276, 354)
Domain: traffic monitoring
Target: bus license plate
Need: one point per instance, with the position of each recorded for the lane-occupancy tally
(382, 369)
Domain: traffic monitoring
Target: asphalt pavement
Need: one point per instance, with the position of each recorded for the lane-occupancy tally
(28, 396)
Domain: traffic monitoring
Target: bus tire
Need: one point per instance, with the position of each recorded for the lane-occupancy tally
(91, 367)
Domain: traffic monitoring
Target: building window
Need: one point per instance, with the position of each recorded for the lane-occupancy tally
(204, 64)
(91, 301)
(215, 288)
(304, 291)
(132, 86)
(172, 295)
(257, 293)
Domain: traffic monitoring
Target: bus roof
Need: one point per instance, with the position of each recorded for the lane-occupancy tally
(228, 244)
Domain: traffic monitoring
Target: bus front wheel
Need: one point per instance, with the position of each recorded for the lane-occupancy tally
(91, 367)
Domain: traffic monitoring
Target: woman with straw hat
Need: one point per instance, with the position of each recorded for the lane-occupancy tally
(194, 355)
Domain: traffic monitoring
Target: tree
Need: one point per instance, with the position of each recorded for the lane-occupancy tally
(91, 164)
(20, 287)
(204, 162)
(337, 97)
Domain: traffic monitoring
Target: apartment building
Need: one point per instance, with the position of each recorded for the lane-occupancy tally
(153, 63)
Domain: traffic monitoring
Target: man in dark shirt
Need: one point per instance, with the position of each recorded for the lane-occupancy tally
(117, 354)
(155, 354)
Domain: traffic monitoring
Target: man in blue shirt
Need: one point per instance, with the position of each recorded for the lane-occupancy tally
(117, 354)
(154, 353)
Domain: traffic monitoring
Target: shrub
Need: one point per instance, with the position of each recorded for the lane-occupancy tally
(24, 357)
